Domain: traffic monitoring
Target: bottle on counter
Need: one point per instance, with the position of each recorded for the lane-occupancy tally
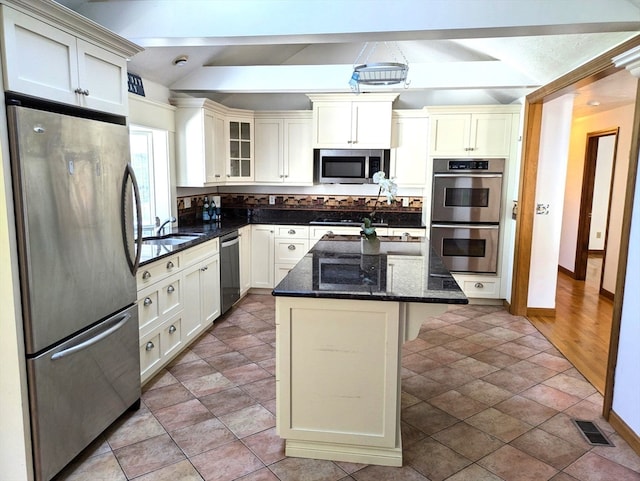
(213, 215)
(205, 211)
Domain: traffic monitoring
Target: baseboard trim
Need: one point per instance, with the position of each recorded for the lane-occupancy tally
(632, 439)
(567, 272)
(607, 294)
(541, 312)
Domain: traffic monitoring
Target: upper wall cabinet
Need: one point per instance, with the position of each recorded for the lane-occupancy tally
(410, 141)
(485, 133)
(201, 144)
(349, 121)
(283, 148)
(240, 148)
(64, 61)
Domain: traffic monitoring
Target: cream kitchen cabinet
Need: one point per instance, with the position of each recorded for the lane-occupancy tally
(410, 140)
(485, 133)
(283, 148)
(65, 65)
(240, 148)
(407, 231)
(291, 244)
(200, 143)
(262, 260)
(347, 121)
(160, 345)
(244, 234)
(201, 288)
(479, 286)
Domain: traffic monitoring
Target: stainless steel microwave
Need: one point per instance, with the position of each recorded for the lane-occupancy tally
(349, 166)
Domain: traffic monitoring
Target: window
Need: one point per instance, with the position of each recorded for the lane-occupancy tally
(150, 161)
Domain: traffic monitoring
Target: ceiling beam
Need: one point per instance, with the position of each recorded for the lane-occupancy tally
(226, 22)
(335, 78)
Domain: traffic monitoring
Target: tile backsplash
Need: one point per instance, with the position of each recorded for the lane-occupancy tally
(301, 202)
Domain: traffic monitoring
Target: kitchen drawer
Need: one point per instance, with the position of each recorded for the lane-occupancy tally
(477, 286)
(171, 336)
(159, 301)
(201, 251)
(290, 251)
(413, 232)
(292, 232)
(150, 355)
(316, 232)
(157, 271)
(281, 271)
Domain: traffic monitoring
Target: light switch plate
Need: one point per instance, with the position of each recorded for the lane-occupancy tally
(187, 202)
(405, 202)
(272, 199)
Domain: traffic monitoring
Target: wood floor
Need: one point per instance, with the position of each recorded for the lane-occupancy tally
(582, 326)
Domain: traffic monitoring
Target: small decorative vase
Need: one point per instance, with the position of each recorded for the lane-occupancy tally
(370, 246)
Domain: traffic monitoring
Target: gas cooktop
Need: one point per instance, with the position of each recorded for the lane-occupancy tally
(345, 221)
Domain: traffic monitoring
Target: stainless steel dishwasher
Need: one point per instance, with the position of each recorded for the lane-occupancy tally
(229, 270)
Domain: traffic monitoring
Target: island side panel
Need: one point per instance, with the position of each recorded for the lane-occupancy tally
(338, 377)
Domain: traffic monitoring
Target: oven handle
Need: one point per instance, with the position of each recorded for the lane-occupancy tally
(466, 226)
(486, 176)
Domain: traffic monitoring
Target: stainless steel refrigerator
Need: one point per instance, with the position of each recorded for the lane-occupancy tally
(74, 195)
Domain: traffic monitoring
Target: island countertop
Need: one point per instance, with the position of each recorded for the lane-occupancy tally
(406, 270)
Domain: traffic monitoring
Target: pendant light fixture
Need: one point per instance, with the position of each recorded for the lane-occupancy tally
(379, 73)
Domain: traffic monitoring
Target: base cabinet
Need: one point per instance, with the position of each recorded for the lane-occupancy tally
(262, 265)
(178, 298)
(478, 286)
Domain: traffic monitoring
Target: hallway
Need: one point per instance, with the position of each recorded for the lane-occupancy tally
(582, 326)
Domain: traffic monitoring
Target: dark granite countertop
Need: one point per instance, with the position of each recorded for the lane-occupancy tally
(406, 270)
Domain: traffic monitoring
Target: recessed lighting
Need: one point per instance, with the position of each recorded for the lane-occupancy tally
(181, 60)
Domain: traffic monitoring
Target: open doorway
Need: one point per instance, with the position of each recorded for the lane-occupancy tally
(595, 206)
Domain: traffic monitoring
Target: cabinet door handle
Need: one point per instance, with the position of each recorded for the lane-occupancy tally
(291, 232)
(170, 265)
(172, 329)
(146, 275)
(149, 346)
(85, 92)
(78, 91)
(147, 301)
(291, 247)
(479, 285)
(217, 175)
(203, 268)
(171, 289)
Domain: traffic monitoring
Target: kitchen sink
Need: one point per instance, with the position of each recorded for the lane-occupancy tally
(169, 240)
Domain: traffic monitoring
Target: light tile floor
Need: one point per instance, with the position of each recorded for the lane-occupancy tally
(485, 397)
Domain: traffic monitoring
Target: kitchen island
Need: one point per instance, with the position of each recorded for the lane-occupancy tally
(341, 320)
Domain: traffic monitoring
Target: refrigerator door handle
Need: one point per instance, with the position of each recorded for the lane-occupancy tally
(91, 341)
(129, 174)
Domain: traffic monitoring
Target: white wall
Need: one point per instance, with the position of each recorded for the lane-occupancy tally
(552, 170)
(601, 189)
(623, 118)
(626, 389)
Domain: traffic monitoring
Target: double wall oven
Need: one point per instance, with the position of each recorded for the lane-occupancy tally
(465, 214)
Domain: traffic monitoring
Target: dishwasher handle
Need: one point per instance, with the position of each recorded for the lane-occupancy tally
(229, 243)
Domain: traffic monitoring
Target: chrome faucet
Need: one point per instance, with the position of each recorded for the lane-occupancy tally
(160, 230)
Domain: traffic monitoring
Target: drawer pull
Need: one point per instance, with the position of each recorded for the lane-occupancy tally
(172, 329)
(147, 301)
(146, 275)
(479, 285)
(203, 268)
(149, 346)
(291, 247)
(170, 265)
(171, 289)
(291, 232)
(329, 232)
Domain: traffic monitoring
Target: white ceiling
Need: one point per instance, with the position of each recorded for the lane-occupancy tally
(268, 53)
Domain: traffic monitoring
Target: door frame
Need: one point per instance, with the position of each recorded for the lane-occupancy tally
(597, 68)
(586, 202)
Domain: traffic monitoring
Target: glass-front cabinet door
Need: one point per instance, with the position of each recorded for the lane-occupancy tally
(240, 166)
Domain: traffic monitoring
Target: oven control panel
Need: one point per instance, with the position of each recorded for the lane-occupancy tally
(468, 165)
(484, 166)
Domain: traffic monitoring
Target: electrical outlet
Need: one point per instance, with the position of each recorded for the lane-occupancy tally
(187, 202)
(272, 199)
(598, 235)
(405, 202)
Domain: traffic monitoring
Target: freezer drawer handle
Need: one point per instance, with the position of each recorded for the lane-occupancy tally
(147, 301)
(93, 340)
